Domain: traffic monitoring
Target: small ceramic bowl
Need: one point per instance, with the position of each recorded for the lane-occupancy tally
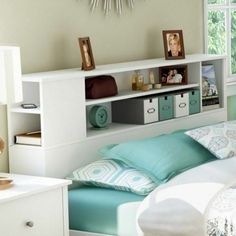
(4, 182)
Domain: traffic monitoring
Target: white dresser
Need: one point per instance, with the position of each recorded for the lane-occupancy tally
(34, 206)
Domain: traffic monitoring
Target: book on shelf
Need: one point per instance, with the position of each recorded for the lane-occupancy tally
(30, 138)
(210, 101)
(210, 107)
(210, 94)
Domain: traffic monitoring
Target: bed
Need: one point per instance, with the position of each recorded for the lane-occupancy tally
(143, 214)
(184, 195)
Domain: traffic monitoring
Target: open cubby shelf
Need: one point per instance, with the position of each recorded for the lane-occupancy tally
(62, 114)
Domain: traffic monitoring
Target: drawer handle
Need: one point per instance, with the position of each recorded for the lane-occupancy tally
(193, 102)
(151, 110)
(164, 108)
(182, 105)
(30, 224)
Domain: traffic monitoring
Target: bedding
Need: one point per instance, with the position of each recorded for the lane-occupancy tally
(220, 139)
(114, 174)
(179, 206)
(174, 208)
(221, 214)
(99, 210)
(161, 157)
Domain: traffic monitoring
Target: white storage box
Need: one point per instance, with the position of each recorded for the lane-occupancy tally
(181, 104)
(141, 110)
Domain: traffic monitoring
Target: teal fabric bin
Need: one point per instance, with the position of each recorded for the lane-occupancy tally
(194, 101)
(165, 107)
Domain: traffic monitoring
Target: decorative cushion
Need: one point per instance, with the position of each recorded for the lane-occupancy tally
(100, 86)
(219, 139)
(160, 157)
(114, 174)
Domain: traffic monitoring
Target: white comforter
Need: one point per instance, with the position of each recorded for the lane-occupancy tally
(178, 208)
(221, 215)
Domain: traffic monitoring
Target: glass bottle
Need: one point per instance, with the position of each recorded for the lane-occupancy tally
(134, 81)
(140, 81)
(151, 77)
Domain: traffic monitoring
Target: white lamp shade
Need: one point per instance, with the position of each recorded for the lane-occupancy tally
(10, 75)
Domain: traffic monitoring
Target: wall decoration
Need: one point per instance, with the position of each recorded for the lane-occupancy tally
(173, 75)
(173, 44)
(108, 4)
(86, 54)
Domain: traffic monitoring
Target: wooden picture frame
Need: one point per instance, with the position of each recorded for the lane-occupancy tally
(173, 44)
(86, 54)
(173, 75)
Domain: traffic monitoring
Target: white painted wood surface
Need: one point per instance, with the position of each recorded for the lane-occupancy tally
(68, 141)
(40, 201)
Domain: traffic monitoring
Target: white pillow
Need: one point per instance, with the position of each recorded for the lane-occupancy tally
(114, 174)
(219, 139)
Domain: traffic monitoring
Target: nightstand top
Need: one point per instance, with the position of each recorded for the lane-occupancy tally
(25, 185)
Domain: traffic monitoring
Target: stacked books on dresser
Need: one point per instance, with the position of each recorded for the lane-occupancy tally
(30, 138)
(210, 96)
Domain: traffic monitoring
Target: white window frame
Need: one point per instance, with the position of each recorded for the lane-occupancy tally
(228, 6)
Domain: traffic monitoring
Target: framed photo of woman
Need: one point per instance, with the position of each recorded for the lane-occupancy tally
(86, 54)
(173, 44)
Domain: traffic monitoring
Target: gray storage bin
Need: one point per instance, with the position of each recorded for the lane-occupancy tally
(141, 110)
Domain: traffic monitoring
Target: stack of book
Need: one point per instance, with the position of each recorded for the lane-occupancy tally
(210, 97)
(30, 138)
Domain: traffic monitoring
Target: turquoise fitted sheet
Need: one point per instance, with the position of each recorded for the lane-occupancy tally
(94, 209)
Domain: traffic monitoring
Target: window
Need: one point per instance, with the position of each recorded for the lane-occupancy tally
(220, 18)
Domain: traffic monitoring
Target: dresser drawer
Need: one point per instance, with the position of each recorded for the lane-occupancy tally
(35, 215)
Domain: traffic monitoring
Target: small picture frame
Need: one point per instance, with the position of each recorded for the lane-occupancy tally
(173, 44)
(86, 54)
(173, 75)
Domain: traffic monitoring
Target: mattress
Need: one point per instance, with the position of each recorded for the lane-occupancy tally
(97, 210)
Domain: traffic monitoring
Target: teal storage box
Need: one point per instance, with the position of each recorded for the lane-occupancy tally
(166, 107)
(194, 101)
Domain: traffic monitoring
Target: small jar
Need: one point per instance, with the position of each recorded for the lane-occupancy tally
(146, 87)
(157, 86)
(139, 81)
(151, 77)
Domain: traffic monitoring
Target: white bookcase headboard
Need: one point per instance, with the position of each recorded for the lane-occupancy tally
(68, 141)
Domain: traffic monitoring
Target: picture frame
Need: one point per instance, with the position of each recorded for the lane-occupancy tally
(173, 44)
(86, 54)
(173, 75)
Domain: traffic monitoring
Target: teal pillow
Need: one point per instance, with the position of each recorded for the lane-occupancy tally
(114, 174)
(160, 157)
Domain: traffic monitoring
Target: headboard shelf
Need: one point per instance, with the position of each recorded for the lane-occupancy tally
(68, 141)
(126, 94)
(117, 128)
